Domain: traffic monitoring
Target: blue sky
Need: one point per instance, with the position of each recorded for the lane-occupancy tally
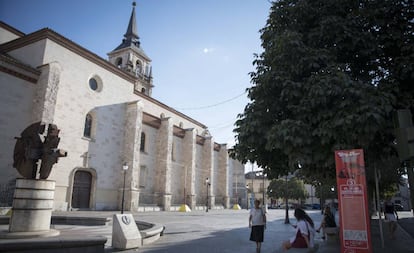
(201, 51)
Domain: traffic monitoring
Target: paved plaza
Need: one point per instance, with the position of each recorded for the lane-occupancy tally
(224, 231)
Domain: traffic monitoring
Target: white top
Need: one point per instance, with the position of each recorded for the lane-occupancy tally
(257, 216)
(304, 227)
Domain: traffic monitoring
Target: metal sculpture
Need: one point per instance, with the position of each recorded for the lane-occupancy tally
(30, 148)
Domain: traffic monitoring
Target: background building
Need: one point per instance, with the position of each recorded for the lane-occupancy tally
(107, 119)
(256, 186)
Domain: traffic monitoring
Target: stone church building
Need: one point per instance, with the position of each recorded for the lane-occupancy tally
(108, 122)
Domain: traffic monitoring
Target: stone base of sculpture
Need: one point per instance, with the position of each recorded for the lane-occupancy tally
(32, 209)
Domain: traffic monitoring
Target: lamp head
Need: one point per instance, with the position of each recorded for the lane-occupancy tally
(125, 166)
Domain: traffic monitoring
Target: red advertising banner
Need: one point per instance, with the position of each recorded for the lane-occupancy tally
(355, 231)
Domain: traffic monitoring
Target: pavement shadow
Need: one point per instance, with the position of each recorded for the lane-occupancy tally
(218, 241)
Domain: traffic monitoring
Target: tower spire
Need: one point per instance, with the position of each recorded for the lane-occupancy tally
(131, 37)
(130, 57)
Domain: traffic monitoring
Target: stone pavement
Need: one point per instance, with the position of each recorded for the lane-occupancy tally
(218, 223)
(404, 241)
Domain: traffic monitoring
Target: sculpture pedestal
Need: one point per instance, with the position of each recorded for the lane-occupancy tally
(32, 209)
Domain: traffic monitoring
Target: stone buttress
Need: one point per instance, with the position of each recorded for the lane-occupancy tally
(131, 154)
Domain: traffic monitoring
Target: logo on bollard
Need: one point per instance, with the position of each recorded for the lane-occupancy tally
(125, 219)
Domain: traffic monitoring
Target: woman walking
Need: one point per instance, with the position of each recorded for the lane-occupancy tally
(257, 223)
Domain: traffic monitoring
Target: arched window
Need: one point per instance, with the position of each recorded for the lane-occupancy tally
(138, 67)
(142, 146)
(87, 131)
(119, 62)
(143, 90)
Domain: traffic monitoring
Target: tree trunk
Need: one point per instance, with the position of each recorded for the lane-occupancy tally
(287, 211)
(286, 202)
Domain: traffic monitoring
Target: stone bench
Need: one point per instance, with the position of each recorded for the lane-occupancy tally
(150, 232)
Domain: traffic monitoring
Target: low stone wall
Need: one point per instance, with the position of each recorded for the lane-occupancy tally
(81, 221)
(73, 244)
(90, 244)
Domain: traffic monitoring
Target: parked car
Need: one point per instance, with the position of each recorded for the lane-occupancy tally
(399, 207)
(316, 206)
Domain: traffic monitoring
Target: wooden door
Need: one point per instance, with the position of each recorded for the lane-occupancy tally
(81, 189)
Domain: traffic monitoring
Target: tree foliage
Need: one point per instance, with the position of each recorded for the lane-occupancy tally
(330, 77)
(292, 189)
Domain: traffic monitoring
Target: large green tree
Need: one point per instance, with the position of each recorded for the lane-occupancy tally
(330, 77)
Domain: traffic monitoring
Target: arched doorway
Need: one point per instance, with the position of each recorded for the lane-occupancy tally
(81, 189)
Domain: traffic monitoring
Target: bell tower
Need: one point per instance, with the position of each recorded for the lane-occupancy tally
(130, 57)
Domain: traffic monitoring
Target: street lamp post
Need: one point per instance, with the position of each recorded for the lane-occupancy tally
(247, 196)
(124, 169)
(207, 184)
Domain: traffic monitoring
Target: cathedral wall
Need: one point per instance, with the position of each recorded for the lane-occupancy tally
(6, 35)
(148, 161)
(216, 174)
(177, 173)
(31, 54)
(16, 96)
(105, 154)
(200, 186)
(157, 110)
(75, 100)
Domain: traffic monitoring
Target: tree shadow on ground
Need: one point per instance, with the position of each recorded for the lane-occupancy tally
(223, 241)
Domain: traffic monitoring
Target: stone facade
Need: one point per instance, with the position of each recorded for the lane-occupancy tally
(107, 118)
